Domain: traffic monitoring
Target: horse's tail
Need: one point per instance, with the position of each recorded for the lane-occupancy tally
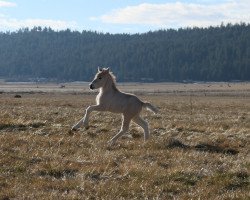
(150, 107)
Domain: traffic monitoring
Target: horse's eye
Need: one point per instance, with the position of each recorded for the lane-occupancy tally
(100, 77)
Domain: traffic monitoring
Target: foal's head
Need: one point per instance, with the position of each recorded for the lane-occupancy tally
(101, 78)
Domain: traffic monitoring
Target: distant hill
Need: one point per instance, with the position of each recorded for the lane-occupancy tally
(192, 54)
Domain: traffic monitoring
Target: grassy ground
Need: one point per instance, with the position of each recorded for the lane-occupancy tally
(199, 149)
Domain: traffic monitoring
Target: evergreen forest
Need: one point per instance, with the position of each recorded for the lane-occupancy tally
(219, 53)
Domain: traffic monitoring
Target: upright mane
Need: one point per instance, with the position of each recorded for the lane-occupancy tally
(114, 81)
(113, 76)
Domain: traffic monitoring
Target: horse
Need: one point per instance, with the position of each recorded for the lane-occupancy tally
(110, 98)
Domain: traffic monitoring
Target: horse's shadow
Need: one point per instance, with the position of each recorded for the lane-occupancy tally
(21, 126)
(205, 147)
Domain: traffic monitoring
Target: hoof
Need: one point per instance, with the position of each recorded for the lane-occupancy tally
(86, 126)
(73, 129)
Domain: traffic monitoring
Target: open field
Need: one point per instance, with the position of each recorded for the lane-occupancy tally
(199, 145)
(219, 89)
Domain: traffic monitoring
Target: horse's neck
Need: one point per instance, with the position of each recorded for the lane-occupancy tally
(107, 91)
(109, 87)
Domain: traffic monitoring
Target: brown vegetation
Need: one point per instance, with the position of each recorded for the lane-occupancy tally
(199, 149)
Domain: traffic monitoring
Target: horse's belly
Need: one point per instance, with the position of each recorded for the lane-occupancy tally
(115, 108)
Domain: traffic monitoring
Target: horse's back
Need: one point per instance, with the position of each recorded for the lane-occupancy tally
(130, 103)
(120, 102)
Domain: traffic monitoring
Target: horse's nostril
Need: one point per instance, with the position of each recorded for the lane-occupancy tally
(91, 86)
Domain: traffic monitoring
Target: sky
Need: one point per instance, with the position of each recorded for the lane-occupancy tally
(121, 16)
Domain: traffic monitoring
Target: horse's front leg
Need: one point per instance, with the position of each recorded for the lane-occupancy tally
(85, 120)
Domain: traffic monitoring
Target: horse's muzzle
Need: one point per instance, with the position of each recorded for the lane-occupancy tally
(91, 86)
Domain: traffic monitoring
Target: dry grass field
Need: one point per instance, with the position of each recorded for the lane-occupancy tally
(199, 146)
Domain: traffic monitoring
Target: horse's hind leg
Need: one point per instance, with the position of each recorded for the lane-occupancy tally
(124, 129)
(142, 123)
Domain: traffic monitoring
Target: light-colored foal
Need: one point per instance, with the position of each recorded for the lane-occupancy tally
(113, 100)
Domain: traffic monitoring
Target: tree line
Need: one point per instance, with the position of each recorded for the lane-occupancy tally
(219, 53)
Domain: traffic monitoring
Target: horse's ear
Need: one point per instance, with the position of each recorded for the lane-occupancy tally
(107, 69)
(99, 69)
